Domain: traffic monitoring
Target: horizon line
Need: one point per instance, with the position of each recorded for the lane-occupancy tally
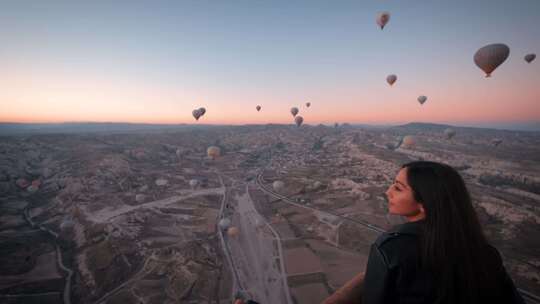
(533, 126)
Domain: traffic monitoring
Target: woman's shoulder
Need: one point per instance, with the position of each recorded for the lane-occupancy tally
(399, 243)
(408, 232)
(493, 257)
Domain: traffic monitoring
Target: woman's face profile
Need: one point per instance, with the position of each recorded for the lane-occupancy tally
(401, 199)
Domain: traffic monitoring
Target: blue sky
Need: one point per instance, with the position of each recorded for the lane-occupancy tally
(232, 55)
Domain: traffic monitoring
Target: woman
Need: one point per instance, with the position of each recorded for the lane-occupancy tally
(440, 255)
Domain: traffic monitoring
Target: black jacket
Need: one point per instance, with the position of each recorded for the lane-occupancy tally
(393, 274)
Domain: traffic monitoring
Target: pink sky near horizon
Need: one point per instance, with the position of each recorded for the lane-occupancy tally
(37, 97)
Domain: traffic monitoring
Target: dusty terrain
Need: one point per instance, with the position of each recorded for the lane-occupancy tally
(112, 218)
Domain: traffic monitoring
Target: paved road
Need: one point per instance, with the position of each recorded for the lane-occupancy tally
(258, 254)
(107, 214)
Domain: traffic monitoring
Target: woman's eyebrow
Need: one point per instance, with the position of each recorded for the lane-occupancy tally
(396, 181)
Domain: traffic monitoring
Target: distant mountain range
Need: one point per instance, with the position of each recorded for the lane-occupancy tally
(432, 127)
(92, 127)
(89, 127)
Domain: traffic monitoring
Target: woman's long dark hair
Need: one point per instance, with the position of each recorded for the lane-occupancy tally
(453, 242)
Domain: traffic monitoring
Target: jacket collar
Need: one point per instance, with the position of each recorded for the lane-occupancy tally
(414, 228)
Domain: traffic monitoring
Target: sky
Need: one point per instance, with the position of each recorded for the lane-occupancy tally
(156, 61)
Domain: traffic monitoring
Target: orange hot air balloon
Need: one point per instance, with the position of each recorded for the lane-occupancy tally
(233, 231)
(408, 141)
(213, 152)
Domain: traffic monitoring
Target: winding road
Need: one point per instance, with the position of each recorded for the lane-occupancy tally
(67, 286)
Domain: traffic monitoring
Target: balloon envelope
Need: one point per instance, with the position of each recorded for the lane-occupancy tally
(422, 99)
(298, 120)
(382, 19)
(258, 108)
(224, 223)
(196, 113)
(193, 183)
(233, 231)
(529, 57)
(202, 111)
(308, 104)
(491, 56)
(391, 79)
(294, 111)
(449, 133)
(408, 141)
(278, 185)
(213, 152)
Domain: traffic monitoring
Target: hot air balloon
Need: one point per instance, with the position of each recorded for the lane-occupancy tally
(489, 57)
(383, 18)
(196, 113)
(224, 224)
(202, 111)
(193, 183)
(391, 79)
(213, 152)
(408, 141)
(294, 111)
(258, 108)
(308, 104)
(298, 120)
(422, 99)
(529, 57)
(449, 133)
(278, 185)
(233, 231)
(496, 141)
